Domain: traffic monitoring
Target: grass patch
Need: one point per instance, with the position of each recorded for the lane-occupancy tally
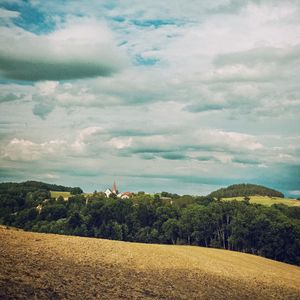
(56, 194)
(266, 200)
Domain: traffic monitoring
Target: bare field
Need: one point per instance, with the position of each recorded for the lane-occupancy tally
(47, 266)
(266, 200)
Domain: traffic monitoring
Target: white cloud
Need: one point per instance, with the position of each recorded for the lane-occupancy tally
(121, 143)
(25, 150)
(85, 137)
(235, 139)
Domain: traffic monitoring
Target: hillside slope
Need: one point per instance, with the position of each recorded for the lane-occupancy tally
(245, 189)
(43, 266)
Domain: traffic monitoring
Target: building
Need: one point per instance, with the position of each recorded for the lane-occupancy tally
(125, 195)
(114, 191)
(108, 192)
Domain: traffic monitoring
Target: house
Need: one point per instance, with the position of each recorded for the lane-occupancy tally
(125, 195)
(108, 192)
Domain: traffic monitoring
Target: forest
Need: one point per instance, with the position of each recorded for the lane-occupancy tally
(272, 232)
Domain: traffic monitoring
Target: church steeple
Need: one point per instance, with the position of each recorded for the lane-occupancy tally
(114, 189)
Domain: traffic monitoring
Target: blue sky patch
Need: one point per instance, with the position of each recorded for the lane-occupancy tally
(146, 61)
(30, 18)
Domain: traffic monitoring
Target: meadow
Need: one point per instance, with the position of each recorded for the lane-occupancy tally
(56, 194)
(266, 200)
(48, 266)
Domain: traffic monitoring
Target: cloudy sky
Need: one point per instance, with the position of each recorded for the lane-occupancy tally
(183, 96)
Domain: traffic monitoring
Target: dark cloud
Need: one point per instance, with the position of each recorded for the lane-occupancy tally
(205, 106)
(154, 150)
(75, 50)
(35, 70)
(144, 131)
(204, 158)
(246, 161)
(174, 156)
(147, 156)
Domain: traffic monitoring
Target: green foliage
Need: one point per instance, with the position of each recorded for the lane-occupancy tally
(52, 211)
(74, 220)
(170, 195)
(76, 191)
(17, 196)
(170, 229)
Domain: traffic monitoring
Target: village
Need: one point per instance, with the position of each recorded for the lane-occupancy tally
(114, 192)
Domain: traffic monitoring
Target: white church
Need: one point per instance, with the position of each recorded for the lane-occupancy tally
(114, 191)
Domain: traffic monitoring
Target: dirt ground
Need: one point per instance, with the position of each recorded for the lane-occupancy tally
(46, 266)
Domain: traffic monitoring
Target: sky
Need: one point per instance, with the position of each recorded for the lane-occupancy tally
(178, 96)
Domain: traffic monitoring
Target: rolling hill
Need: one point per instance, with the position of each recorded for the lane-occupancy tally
(245, 189)
(47, 266)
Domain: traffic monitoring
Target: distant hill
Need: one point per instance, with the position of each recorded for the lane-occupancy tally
(18, 196)
(32, 186)
(245, 189)
(88, 268)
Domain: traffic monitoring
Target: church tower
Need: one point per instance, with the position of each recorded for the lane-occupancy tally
(114, 188)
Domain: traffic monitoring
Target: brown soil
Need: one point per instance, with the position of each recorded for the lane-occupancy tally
(46, 266)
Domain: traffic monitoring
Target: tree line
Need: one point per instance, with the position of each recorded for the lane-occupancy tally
(272, 232)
